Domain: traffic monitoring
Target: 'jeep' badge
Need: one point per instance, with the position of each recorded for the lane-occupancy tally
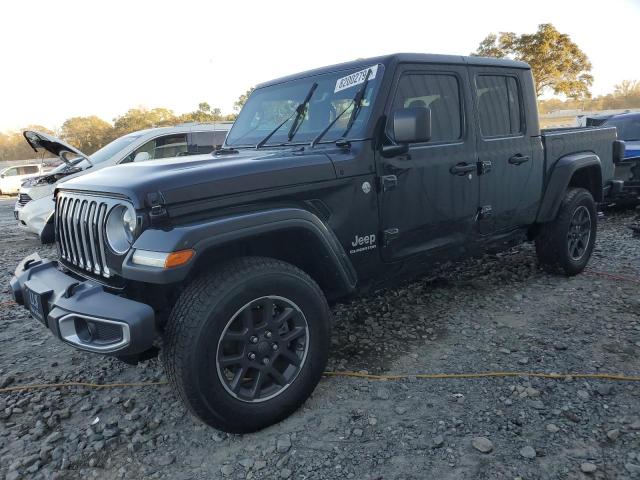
(364, 243)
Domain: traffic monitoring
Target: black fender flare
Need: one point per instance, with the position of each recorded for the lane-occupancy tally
(203, 236)
(559, 179)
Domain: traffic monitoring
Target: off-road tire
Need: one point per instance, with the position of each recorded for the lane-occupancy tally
(552, 247)
(198, 321)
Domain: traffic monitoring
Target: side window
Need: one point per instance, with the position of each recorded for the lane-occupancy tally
(12, 172)
(29, 170)
(439, 92)
(170, 146)
(219, 137)
(162, 147)
(148, 147)
(201, 142)
(499, 105)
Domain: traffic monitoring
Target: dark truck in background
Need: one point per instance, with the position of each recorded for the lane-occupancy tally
(339, 180)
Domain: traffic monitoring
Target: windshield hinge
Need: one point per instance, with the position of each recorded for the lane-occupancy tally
(158, 214)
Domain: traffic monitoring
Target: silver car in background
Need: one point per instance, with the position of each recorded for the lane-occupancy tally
(35, 204)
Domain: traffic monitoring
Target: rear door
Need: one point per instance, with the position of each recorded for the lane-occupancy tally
(429, 197)
(507, 184)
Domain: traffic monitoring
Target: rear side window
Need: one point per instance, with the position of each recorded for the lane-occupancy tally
(205, 142)
(170, 146)
(499, 105)
(439, 92)
(27, 170)
(219, 137)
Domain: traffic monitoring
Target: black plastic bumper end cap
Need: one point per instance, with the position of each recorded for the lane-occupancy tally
(17, 291)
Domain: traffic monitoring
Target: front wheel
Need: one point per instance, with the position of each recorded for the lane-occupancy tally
(565, 244)
(247, 344)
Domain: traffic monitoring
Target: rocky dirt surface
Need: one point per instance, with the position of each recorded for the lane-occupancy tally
(496, 313)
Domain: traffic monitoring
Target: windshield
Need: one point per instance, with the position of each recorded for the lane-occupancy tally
(110, 149)
(628, 127)
(105, 153)
(267, 107)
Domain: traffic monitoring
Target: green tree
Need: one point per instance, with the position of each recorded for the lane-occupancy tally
(13, 146)
(87, 134)
(628, 93)
(141, 118)
(557, 62)
(242, 99)
(203, 114)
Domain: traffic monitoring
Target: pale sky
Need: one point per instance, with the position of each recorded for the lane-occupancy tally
(64, 58)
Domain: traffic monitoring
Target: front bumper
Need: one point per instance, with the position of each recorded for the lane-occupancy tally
(80, 312)
(35, 215)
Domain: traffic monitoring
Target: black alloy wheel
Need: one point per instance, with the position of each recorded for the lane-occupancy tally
(262, 349)
(579, 233)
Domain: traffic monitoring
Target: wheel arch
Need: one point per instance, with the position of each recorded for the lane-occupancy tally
(293, 235)
(575, 170)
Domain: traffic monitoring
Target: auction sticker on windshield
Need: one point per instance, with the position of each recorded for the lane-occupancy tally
(355, 78)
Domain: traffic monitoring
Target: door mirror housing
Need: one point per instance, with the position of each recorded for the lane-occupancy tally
(141, 157)
(412, 125)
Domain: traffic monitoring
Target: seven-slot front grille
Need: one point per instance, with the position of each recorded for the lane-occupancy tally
(80, 234)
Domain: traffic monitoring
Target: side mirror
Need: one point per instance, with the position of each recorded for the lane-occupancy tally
(141, 157)
(412, 125)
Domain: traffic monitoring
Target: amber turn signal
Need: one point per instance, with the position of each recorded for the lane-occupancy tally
(175, 259)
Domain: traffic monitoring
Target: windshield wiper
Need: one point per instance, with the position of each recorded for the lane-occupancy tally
(298, 112)
(356, 103)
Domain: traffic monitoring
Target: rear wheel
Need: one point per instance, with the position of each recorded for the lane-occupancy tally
(246, 345)
(565, 244)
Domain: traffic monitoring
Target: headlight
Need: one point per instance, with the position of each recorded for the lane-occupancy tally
(121, 229)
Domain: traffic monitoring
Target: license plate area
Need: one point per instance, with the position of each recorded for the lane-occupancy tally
(36, 298)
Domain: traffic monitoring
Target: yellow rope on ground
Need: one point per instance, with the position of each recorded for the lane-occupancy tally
(367, 376)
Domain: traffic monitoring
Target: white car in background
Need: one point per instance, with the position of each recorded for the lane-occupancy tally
(12, 177)
(35, 204)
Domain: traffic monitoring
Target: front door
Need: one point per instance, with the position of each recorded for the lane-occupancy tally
(429, 197)
(510, 185)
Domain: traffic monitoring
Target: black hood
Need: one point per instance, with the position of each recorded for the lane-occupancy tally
(185, 179)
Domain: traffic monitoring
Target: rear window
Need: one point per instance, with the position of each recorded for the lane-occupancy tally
(499, 105)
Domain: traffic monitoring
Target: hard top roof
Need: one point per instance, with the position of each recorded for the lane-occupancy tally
(395, 58)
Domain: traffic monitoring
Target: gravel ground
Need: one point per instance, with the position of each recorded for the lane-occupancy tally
(495, 313)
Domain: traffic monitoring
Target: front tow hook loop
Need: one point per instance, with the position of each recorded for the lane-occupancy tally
(68, 293)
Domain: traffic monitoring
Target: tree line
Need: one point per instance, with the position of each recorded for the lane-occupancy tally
(91, 133)
(625, 95)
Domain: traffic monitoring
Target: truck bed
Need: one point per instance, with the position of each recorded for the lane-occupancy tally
(559, 142)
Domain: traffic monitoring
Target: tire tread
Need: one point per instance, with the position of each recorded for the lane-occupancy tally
(192, 306)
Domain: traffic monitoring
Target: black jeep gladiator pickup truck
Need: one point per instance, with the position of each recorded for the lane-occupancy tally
(341, 179)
